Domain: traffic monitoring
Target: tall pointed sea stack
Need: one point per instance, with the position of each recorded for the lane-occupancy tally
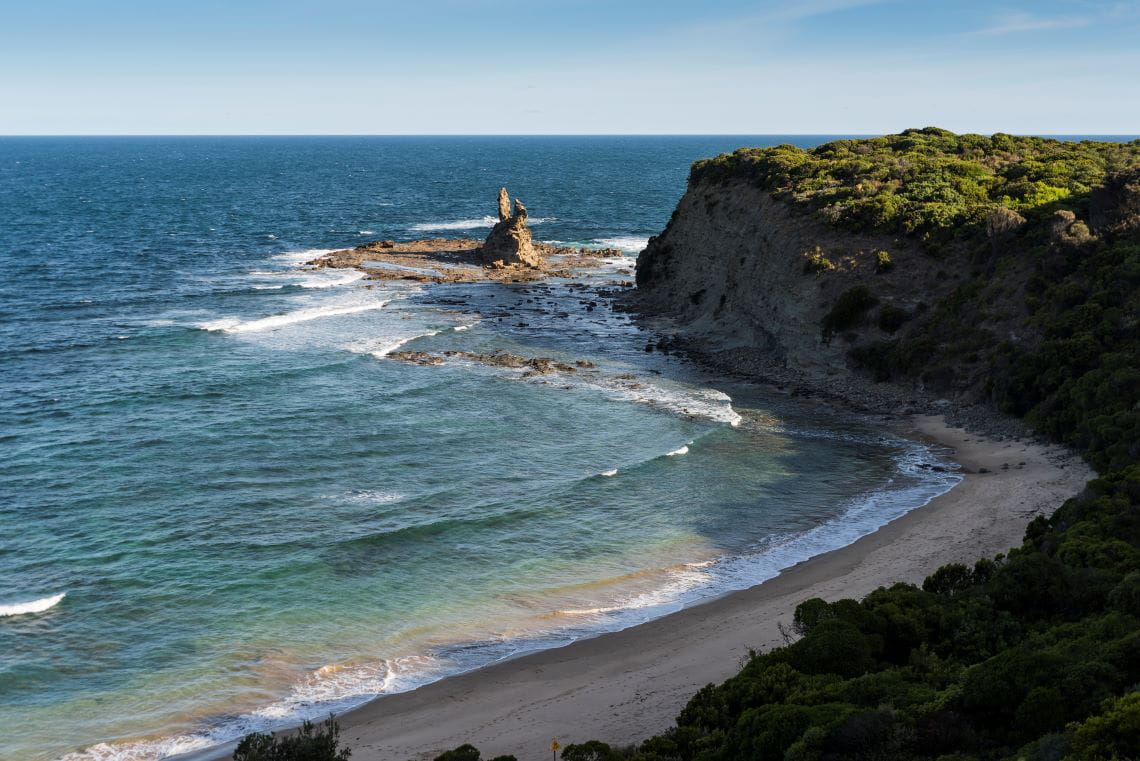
(510, 242)
(504, 205)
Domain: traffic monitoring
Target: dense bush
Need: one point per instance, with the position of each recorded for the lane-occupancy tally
(310, 743)
(926, 181)
(468, 753)
(892, 317)
(816, 263)
(847, 311)
(1081, 383)
(883, 261)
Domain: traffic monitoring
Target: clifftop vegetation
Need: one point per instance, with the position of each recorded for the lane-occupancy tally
(1041, 239)
(929, 182)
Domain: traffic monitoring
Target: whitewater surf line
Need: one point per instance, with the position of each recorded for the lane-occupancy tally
(235, 325)
(34, 606)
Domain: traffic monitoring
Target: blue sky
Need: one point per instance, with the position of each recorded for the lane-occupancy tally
(568, 66)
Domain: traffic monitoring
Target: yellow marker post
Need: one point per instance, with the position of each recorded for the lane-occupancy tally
(554, 748)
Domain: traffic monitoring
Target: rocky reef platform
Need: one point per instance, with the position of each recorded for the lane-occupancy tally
(509, 254)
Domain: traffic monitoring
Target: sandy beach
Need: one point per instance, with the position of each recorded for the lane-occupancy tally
(625, 686)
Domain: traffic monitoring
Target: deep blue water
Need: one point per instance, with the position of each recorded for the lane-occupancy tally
(254, 516)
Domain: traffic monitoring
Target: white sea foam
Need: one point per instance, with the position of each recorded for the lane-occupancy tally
(620, 262)
(331, 688)
(861, 516)
(299, 257)
(327, 278)
(677, 582)
(235, 325)
(461, 224)
(297, 272)
(380, 348)
(608, 473)
(472, 224)
(392, 346)
(631, 243)
(33, 606)
(331, 685)
(373, 497)
(678, 451)
(708, 403)
(144, 750)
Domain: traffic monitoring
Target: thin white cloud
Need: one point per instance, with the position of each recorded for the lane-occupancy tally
(770, 21)
(1016, 23)
(812, 8)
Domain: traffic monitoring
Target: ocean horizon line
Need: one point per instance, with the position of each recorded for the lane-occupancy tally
(1055, 135)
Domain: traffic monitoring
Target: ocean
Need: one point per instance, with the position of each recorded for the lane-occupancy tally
(224, 508)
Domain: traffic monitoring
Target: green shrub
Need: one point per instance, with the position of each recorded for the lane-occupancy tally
(891, 318)
(309, 743)
(1112, 736)
(883, 261)
(817, 263)
(847, 311)
(590, 751)
(468, 752)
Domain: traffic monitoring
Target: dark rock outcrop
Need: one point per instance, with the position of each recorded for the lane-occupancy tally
(509, 243)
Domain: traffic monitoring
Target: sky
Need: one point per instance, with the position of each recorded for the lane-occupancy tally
(568, 66)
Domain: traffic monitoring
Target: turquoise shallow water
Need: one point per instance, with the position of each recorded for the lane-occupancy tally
(253, 516)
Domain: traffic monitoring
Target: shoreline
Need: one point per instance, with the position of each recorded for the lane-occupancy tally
(624, 686)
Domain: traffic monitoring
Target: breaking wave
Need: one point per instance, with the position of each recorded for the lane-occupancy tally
(34, 606)
(235, 325)
(486, 221)
(631, 243)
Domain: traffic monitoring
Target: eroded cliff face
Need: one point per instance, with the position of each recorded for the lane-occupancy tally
(740, 270)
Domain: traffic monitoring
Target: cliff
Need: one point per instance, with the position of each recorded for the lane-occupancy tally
(742, 270)
(998, 269)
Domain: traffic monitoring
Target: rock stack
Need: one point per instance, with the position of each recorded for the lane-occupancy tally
(510, 243)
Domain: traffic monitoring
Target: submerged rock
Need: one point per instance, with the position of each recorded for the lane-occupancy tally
(416, 357)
